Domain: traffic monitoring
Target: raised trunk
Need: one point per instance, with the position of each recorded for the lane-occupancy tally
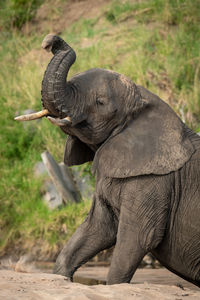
(56, 92)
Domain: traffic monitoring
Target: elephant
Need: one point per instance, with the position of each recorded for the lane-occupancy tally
(147, 166)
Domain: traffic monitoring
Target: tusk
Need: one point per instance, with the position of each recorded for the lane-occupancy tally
(60, 122)
(33, 116)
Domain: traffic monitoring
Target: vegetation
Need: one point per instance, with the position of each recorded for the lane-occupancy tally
(155, 43)
(15, 13)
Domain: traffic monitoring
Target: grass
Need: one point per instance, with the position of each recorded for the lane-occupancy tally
(15, 13)
(24, 218)
(155, 43)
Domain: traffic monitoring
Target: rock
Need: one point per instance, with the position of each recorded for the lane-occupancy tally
(59, 185)
(71, 185)
(148, 259)
(61, 179)
(83, 183)
(40, 169)
(41, 286)
(51, 197)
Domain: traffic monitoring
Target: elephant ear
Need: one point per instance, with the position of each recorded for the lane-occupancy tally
(76, 152)
(153, 142)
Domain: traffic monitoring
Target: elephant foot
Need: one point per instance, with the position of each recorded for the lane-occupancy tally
(61, 270)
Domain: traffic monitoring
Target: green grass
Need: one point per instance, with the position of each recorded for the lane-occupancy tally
(15, 13)
(170, 12)
(155, 43)
(24, 218)
(164, 40)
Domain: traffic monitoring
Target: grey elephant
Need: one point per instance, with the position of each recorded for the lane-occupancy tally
(147, 165)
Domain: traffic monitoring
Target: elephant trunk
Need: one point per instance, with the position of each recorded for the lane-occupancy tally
(56, 92)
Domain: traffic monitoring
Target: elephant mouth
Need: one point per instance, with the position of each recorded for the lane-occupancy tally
(45, 113)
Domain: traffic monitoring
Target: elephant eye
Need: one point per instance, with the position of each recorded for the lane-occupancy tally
(99, 101)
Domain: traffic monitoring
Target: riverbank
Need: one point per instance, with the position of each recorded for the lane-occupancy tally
(42, 286)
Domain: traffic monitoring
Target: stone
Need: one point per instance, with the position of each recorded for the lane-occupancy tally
(40, 169)
(51, 197)
(61, 179)
(83, 183)
(59, 185)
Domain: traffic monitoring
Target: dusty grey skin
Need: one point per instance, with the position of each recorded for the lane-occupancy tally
(147, 163)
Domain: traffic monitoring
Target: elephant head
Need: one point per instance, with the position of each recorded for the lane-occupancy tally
(124, 128)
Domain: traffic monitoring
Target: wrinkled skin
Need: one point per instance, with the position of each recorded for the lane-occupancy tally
(147, 163)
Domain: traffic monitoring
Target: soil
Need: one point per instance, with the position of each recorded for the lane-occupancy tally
(42, 286)
(142, 276)
(55, 16)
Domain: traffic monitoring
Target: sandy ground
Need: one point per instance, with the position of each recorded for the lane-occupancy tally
(88, 275)
(43, 286)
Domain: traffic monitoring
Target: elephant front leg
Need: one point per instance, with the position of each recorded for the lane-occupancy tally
(96, 233)
(127, 255)
(142, 223)
(137, 235)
